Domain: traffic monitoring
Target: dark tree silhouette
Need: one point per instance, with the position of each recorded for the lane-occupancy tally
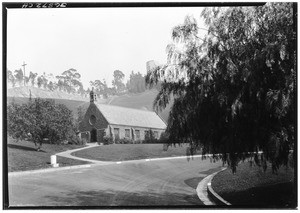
(234, 89)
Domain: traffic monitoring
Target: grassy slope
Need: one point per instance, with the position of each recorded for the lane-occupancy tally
(143, 100)
(121, 152)
(250, 186)
(23, 156)
(24, 92)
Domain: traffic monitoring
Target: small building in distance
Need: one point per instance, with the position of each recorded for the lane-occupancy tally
(118, 122)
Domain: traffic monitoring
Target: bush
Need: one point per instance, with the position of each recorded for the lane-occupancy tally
(150, 139)
(125, 141)
(40, 119)
(77, 140)
(107, 140)
(164, 137)
(138, 141)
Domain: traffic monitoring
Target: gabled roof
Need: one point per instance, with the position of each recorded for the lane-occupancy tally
(131, 117)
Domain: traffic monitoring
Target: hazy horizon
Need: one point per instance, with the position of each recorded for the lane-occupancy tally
(94, 41)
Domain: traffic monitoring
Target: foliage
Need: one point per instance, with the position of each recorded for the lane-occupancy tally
(117, 83)
(32, 77)
(150, 138)
(69, 81)
(136, 83)
(39, 81)
(50, 86)
(234, 89)
(108, 140)
(164, 137)
(10, 78)
(75, 139)
(100, 88)
(40, 119)
(124, 141)
(19, 76)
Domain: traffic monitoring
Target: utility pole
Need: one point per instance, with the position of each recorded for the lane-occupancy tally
(24, 70)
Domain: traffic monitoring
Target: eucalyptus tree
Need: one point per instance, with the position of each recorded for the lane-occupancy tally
(69, 80)
(32, 77)
(10, 78)
(117, 83)
(18, 74)
(234, 88)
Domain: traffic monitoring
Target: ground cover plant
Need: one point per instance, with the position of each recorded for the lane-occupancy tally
(251, 186)
(23, 156)
(121, 152)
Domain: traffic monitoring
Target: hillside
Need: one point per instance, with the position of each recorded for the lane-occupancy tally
(138, 101)
(24, 92)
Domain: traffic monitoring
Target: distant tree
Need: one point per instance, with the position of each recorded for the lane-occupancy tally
(234, 89)
(32, 77)
(10, 78)
(19, 76)
(55, 86)
(39, 81)
(117, 83)
(136, 83)
(99, 87)
(60, 85)
(40, 119)
(44, 81)
(81, 91)
(51, 86)
(70, 80)
(105, 90)
(87, 92)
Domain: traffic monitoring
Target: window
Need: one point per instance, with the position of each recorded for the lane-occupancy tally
(117, 132)
(137, 134)
(156, 134)
(92, 119)
(127, 133)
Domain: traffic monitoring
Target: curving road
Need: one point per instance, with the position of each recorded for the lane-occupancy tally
(141, 183)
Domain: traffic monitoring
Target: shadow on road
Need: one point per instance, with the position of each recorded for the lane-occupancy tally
(127, 199)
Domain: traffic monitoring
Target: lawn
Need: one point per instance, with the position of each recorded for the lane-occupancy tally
(23, 156)
(123, 152)
(253, 187)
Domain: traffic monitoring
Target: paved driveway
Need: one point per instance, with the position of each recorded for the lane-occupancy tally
(144, 183)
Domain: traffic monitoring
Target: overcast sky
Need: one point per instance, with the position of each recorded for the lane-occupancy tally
(95, 41)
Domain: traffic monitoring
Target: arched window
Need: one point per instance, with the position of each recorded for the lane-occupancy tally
(92, 119)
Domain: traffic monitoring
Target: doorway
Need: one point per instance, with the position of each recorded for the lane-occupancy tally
(94, 135)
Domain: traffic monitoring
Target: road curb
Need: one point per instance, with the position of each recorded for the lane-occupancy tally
(49, 170)
(213, 195)
(202, 191)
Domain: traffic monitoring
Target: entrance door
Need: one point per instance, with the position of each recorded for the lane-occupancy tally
(94, 135)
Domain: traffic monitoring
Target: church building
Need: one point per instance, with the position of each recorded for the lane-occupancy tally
(118, 122)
